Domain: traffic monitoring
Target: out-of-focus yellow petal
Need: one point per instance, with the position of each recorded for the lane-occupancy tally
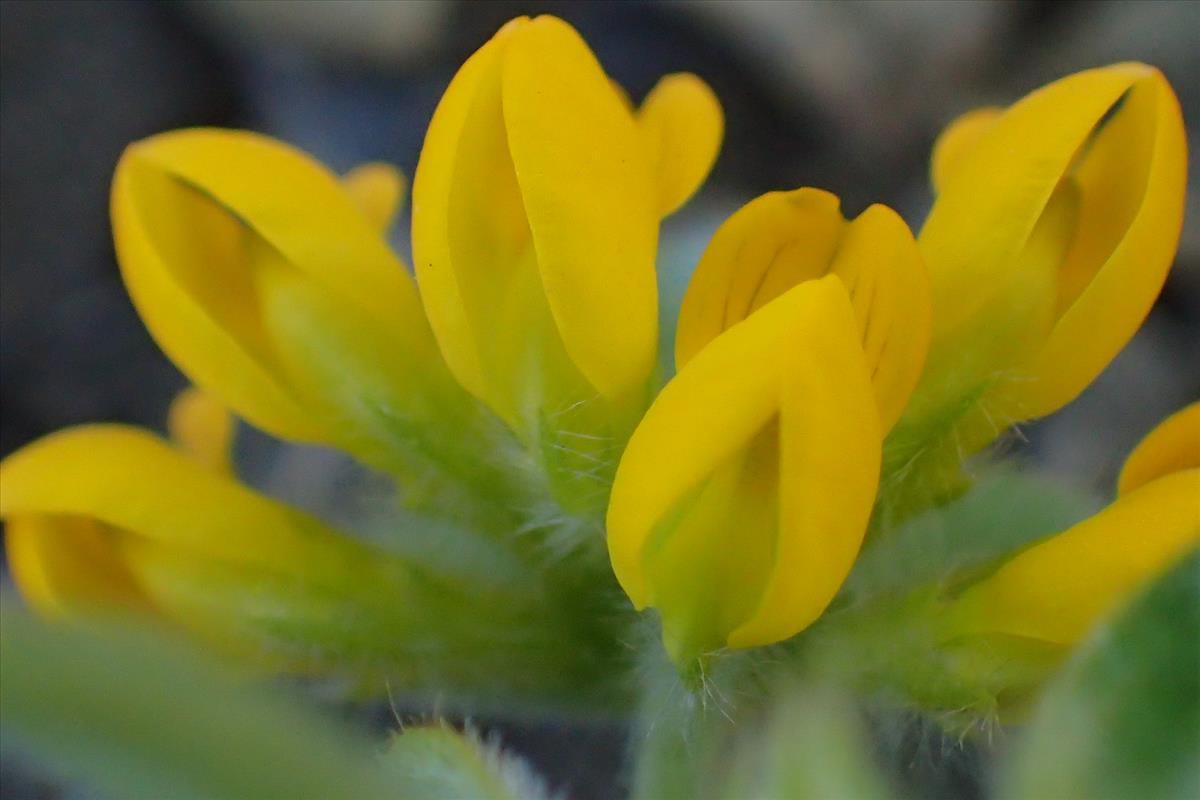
(88, 471)
(782, 239)
(1172, 446)
(202, 428)
(589, 200)
(378, 189)
(1053, 230)
(64, 565)
(681, 125)
(958, 139)
(755, 464)
(108, 519)
(1056, 590)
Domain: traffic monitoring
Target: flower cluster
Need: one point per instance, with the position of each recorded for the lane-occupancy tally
(830, 377)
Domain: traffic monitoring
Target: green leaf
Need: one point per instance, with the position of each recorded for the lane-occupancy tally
(1003, 513)
(135, 714)
(1123, 718)
(438, 762)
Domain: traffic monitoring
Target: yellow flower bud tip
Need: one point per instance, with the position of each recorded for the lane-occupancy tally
(201, 427)
(742, 497)
(681, 124)
(378, 190)
(1056, 590)
(536, 204)
(783, 239)
(1172, 446)
(1055, 223)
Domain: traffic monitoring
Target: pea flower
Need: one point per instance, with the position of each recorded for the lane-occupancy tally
(1055, 223)
(536, 205)
(111, 519)
(269, 283)
(742, 498)
(1057, 589)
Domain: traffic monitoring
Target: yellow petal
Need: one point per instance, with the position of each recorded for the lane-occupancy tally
(1055, 229)
(468, 228)
(378, 190)
(830, 438)
(958, 139)
(66, 565)
(589, 201)
(1056, 590)
(132, 481)
(879, 262)
(681, 125)
(1172, 446)
(770, 431)
(534, 232)
(1132, 182)
(782, 239)
(202, 428)
(108, 518)
(990, 205)
(195, 211)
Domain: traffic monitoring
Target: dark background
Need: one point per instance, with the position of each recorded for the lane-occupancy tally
(845, 96)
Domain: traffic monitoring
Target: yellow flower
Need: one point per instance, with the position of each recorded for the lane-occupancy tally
(744, 494)
(269, 283)
(536, 205)
(1054, 226)
(1056, 590)
(110, 519)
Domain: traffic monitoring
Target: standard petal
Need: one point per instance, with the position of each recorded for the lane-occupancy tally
(958, 139)
(1056, 590)
(829, 445)
(681, 125)
(589, 201)
(202, 427)
(879, 262)
(1172, 446)
(782, 239)
(766, 247)
(378, 190)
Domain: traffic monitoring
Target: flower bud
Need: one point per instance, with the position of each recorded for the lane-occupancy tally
(270, 284)
(1056, 590)
(1054, 226)
(742, 497)
(536, 206)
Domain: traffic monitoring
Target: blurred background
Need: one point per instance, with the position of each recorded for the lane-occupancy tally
(847, 96)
